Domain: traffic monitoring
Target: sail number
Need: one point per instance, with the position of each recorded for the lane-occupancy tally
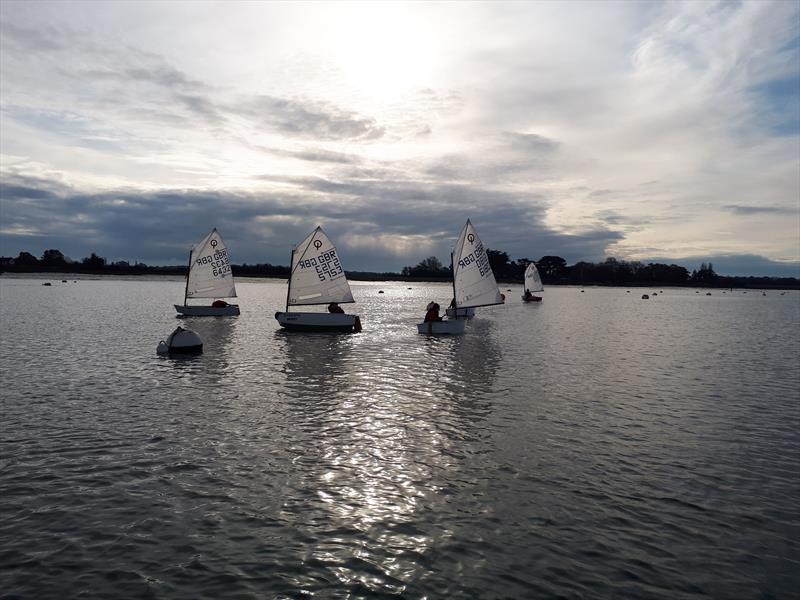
(219, 262)
(477, 257)
(326, 265)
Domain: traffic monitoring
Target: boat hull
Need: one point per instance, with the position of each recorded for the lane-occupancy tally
(534, 299)
(316, 321)
(460, 313)
(231, 310)
(447, 327)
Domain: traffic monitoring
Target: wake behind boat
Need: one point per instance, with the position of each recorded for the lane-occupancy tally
(209, 276)
(316, 278)
(474, 284)
(533, 283)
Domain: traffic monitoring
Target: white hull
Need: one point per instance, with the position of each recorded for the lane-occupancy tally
(208, 311)
(450, 326)
(460, 313)
(318, 321)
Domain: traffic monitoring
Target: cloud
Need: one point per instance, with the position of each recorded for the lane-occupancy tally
(308, 119)
(379, 225)
(531, 143)
(741, 209)
(317, 155)
(17, 38)
(504, 157)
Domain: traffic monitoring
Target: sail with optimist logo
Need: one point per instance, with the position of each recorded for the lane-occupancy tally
(317, 275)
(474, 284)
(209, 276)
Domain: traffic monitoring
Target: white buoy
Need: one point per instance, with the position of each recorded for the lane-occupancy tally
(181, 341)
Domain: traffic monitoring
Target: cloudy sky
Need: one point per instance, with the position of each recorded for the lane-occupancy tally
(643, 131)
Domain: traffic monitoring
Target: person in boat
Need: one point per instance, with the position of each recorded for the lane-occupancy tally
(433, 313)
(333, 307)
(528, 295)
(219, 304)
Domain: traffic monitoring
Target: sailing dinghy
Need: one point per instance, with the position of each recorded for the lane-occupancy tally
(317, 277)
(533, 283)
(473, 283)
(209, 276)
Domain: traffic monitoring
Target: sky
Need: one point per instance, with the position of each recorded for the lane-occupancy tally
(640, 130)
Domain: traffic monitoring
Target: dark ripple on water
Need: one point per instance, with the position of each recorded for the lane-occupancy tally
(592, 446)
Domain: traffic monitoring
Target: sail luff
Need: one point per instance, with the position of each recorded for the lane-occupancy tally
(453, 273)
(289, 283)
(188, 272)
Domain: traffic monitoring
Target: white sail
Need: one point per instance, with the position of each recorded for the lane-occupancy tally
(532, 280)
(210, 273)
(317, 275)
(473, 278)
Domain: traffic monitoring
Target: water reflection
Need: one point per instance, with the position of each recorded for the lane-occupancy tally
(311, 360)
(385, 417)
(474, 360)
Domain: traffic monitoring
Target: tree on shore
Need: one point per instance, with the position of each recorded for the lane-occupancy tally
(94, 261)
(26, 259)
(705, 276)
(53, 258)
(429, 267)
(552, 267)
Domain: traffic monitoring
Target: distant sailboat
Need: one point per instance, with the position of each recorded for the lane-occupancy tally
(533, 283)
(317, 277)
(209, 276)
(474, 284)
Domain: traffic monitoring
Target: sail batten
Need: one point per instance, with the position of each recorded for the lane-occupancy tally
(317, 275)
(532, 280)
(473, 280)
(210, 274)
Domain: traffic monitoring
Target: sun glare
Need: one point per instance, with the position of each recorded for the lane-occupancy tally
(384, 50)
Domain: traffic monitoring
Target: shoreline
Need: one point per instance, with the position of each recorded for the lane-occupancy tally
(56, 275)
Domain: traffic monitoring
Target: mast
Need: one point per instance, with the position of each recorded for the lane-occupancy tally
(186, 291)
(289, 286)
(453, 270)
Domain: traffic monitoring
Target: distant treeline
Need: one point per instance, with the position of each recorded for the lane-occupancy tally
(553, 270)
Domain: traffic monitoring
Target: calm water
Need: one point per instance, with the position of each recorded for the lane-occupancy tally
(594, 446)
